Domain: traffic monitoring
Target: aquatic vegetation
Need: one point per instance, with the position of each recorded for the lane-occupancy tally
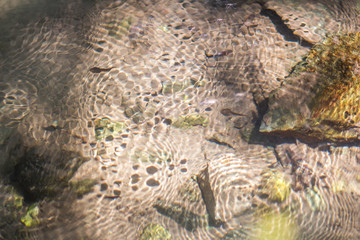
(119, 29)
(275, 225)
(105, 128)
(274, 186)
(190, 190)
(82, 187)
(319, 100)
(31, 217)
(151, 156)
(190, 120)
(155, 232)
(172, 86)
(12, 204)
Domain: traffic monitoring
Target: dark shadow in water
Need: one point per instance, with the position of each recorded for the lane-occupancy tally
(283, 29)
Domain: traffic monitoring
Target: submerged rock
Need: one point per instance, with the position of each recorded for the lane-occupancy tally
(274, 186)
(118, 29)
(190, 120)
(105, 128)
(319, 100)
(83, 186)
(154, 232)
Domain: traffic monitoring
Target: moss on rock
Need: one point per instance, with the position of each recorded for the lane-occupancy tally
(319, 100)
(155, 232)
(105, 128)
(190, 190)
(30, 219)
(172, 87)
(191, 120)
(11, 204)
(274, 225)
(274, 186)
(83, 187)
(119, 29)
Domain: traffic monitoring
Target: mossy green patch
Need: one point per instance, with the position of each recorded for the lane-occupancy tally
(82, 187)
(152, 156)
(329, 78)
(173, 86)
(191, 120)
(190, 190)
(15, 202)
(275, 226)
(155, 232)
(106, 129)
(274, 186)
(30, 219)
(119, 29)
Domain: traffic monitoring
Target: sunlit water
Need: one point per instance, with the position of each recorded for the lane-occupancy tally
(140, 120)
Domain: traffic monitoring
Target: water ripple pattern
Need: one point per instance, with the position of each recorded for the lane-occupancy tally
(140, 120)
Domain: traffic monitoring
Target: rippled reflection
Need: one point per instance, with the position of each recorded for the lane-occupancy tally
(179, 119)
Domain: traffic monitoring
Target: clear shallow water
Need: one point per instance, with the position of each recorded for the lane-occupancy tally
(126, 120)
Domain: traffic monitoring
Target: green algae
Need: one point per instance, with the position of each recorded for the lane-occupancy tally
(82, 187)
(106, 129)
(172, 86)
(274, 186)
(30, 219)
(190, 190)
(151, 156)
(191, 120)
(275, 226)
(119, 30)
(155, 232)
(15, 203)
(319, 99)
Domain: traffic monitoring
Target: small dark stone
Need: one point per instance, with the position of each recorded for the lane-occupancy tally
(99, 49)
(136, 167)
(103, 187)
(152, 182)
(167, 121)
(109, 138)
(135, 178)
(151, 170)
